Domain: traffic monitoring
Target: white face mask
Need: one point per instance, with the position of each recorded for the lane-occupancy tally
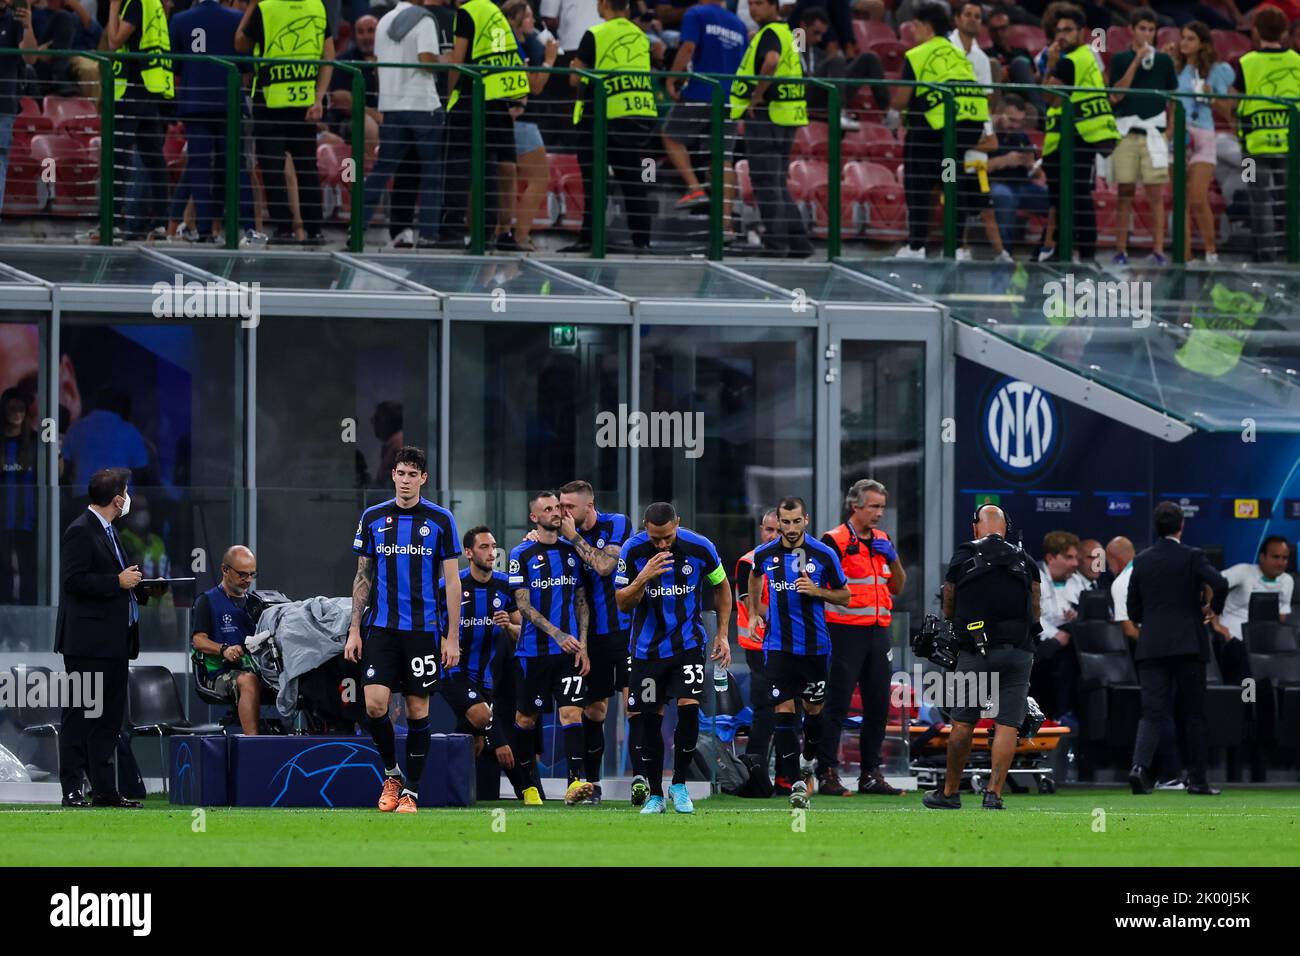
(126, 505)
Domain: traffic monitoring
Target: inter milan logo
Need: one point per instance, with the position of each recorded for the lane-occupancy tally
(370, 672)
(537, 701)
(424, 529)
(686, 569)
(776, 692)
(809, 568)
(570, 562)
(1020, 430)
(600, 542)
(472, 695)
(496, 601)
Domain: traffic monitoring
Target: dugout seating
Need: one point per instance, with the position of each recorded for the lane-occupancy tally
(154, 708)
(1225, 711)
(1274, 654)
(1110, 701)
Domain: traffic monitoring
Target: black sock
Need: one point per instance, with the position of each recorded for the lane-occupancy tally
(575, 749)
(635, 755)
(652, 751)
(524, 755)
(787, 747)
(812, 734)
(594, 737)
(381, 731)
(684, 739)
(495, 740)
(417, 750)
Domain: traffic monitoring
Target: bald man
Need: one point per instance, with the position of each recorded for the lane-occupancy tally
(1092, 562)
(219, 625)
(1119, 558)
(991, 587)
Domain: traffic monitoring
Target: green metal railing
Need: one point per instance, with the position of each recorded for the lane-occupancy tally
(838, 93)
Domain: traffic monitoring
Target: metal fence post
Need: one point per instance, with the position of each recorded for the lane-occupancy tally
(107, 102)
(951, 218)
(357, 223)
(234, 118)
(834, 175)
(478, 164)
(1181, 237)
(717, 171)
(1065, 207)
(1293, 185)
(600, 168)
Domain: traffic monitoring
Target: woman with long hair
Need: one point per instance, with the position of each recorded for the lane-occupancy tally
(530, 151)
(1200, 77)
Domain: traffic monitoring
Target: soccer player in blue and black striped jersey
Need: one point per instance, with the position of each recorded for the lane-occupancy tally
(800, 574)
(551, 655)
(598, 537)
(406, 546)
(661, 578)
(487, 610)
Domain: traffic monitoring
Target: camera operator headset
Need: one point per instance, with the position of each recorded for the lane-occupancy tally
(990, 593)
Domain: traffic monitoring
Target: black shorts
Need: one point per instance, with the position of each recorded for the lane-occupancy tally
(609, 664)
(551, 675)
(797, 675)
(652, 683)
(405, 661)
(461, 692)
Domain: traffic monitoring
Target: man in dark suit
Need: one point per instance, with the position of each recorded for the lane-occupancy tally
(97, 634)
(1166, 596)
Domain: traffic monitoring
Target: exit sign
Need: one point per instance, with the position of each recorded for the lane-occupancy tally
(564, 336)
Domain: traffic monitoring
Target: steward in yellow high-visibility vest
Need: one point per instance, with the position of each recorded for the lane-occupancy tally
(772, 108)
(293, 38)
(619, 49)
(1262, 124)
(1071, 62)
(149, 34)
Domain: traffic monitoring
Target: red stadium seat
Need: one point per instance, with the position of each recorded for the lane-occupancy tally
(886, 210)
(806, 175)
(744, 182)
(874, 175)
(1026, 35)
(873, 142)
(1229, 44)
(1166, 36)
(75, 187)
(867, 32)
(74, 116)
(810, 142)
(24, 192)
(566, 186)
(1118, 39)
(27, 125)
(891, 53)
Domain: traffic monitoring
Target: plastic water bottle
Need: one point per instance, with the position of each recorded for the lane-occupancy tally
(720, 679)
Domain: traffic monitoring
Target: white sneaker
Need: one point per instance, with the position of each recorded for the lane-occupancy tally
(963, 254)
(252, 239)
(907, 252)
(1046, 255)
(799, 796)
(1211, 258)
(1004, 256)
(403, 240)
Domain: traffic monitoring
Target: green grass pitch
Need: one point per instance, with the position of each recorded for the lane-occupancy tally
(1239, 828)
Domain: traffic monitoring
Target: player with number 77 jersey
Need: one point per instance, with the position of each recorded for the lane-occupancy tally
(661, 579)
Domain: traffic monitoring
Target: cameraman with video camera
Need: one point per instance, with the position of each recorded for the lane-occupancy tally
(990, 596)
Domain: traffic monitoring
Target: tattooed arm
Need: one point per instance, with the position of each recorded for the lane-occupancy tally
(361, 585)
(583, 662)
(529, 613)
(603, 561)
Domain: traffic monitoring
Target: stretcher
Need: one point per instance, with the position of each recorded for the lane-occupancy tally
(1032, 762)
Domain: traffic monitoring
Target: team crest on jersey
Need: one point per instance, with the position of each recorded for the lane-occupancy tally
(631, 700)
(809, 568)
(600, 542)
(686, 569)
(473, 696)
(776, 692)
(514, 566)
(358, 527)
(370, 672)
(537, 701)
(464, 595)
(622, 566)
(424, 529)
(496, 601)
(570, 562)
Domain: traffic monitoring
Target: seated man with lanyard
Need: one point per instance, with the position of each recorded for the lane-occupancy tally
(220, 626)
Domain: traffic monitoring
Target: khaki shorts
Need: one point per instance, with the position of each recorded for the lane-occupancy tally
(1131, 162)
